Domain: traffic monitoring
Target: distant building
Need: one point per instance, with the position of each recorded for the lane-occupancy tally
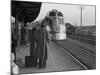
(69, 28)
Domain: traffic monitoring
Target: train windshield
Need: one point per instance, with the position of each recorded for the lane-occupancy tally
(55, 21)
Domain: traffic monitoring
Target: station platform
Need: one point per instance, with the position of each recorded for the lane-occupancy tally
(58, 60)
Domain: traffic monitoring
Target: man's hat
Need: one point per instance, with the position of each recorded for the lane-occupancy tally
(35, 24)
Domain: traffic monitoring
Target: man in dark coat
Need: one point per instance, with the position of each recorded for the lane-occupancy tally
(33, 45)
(41, 49)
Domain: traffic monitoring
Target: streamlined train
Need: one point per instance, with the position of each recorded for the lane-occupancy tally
(56, 24)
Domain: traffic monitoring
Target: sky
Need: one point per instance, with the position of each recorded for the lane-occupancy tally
(71, 13)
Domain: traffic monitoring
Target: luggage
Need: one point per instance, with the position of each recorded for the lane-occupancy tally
(30, 61)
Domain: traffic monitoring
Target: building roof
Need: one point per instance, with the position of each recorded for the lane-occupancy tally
(27, 11)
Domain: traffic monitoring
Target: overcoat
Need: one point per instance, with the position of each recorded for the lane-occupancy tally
(42, 41)
(33, 33)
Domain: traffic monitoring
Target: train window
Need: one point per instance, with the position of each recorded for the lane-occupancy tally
(62, 21)
(52, 14)
(54, 21)
(59, 20)
(60, 14)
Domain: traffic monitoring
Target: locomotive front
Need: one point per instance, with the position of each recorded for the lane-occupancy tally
(57, 25)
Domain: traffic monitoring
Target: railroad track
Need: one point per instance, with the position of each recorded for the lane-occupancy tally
(89, 41)
(73, 56)
(85, 49)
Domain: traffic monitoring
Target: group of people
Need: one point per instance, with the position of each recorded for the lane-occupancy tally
(39, 39)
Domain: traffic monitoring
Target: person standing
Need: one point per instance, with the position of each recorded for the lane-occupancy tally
(41, 49)
(33, 46)
(13, 44)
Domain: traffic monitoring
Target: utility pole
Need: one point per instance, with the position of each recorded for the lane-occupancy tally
(81, 18)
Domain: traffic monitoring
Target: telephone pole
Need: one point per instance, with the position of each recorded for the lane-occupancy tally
(81, 18)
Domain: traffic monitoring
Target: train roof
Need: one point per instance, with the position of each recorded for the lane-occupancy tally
(55, 12)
